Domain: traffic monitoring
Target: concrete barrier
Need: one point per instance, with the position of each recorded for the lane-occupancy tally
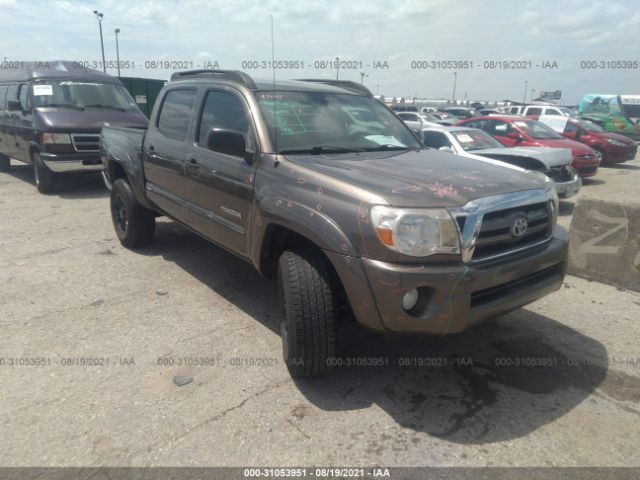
(604, 242)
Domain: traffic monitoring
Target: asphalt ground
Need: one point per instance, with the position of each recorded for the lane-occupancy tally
(170, 356)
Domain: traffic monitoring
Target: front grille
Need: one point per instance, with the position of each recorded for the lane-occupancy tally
(632, 152)
(586, 157)
(496, 238)
(563, 173)
(509, 289)
(86, 142)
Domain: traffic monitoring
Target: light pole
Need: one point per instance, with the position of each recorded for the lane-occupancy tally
(99, 16)
(455, 79)
(526, 86)
(117, 51)
(362, 75)
(531, 97)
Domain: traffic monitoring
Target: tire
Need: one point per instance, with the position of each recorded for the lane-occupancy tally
(308, 329)
(5, 163)
(603, 160)
(43, 177)
(133, 223)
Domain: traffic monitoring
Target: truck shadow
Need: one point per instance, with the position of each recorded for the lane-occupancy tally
(81, 185)
(499, 381)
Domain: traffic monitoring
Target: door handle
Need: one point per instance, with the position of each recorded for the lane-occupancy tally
(152, 148)
(192, 163)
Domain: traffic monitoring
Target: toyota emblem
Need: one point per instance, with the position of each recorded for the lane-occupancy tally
(519, 227)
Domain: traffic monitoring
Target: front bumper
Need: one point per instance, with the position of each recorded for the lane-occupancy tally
(72, 162)
(617, 154)
(459, 296)
(570, 188)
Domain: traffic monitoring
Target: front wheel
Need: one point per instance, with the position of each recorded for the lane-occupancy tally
(603, 154)
(43, 177)
(134, 224)
(308, 329)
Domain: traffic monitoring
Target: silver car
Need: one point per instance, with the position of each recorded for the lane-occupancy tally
(475, 143)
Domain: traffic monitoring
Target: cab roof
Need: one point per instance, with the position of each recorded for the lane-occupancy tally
(54, 69)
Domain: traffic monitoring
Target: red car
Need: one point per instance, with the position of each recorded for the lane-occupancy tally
(613, 147)
(513, 131)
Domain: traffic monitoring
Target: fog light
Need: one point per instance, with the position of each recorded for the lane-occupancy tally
(410, 299)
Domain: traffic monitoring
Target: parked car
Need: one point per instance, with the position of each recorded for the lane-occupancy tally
(613, 147)
(461, 112)
(51, 114)
(401, 107)
(416, 121)
(518, 131)
(445, 118)
(534, 111)
(488, 111)
(479, 145)
(411, 239)
(428, 109)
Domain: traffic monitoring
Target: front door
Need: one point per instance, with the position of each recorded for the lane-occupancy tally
(218, 186)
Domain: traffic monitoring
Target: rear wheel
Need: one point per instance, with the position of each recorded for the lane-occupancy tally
(43, 177)
(134, 224)
(5, 163)
(308, 329)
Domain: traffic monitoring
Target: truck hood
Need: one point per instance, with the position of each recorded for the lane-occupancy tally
(424, 178)
(90, 120)
(550, 157)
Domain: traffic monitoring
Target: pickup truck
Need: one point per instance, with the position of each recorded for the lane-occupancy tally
(321, 186)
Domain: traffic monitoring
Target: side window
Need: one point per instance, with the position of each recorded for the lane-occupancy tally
(24, 97)
(3, 96)
(436, 140)
(499, 128)
(12, 92)
(175, 114)
(481, 124)
(570, 127)
(534, 111)
(222, 110)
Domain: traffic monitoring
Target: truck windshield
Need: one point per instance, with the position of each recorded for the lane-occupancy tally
(80, 94)
(318, 122)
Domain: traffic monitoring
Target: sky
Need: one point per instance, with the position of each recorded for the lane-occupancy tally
(381, 39)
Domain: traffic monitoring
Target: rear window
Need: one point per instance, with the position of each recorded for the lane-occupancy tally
(175, 114)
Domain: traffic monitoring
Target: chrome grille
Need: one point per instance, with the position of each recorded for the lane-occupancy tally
(495, 237)
(490, 227)
(86, 142)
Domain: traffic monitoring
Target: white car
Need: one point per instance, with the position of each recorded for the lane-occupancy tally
(477, 144)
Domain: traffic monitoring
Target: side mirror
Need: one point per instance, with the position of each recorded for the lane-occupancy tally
(14, 106)
(226, 141)
(446, 149)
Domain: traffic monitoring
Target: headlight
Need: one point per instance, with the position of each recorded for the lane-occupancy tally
(418, 232)
(56, 138)
(617, 143)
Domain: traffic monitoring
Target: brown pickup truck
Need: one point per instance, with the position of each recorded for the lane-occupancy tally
(318, 184)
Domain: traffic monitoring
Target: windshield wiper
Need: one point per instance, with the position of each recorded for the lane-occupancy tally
(318, 149)
(61, 105)
(110, 107)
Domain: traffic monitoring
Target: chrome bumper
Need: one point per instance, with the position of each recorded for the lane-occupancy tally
(568, 189)
(67, 166)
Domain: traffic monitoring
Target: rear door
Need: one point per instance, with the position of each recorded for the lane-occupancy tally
(218, 186)
(165, 148)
